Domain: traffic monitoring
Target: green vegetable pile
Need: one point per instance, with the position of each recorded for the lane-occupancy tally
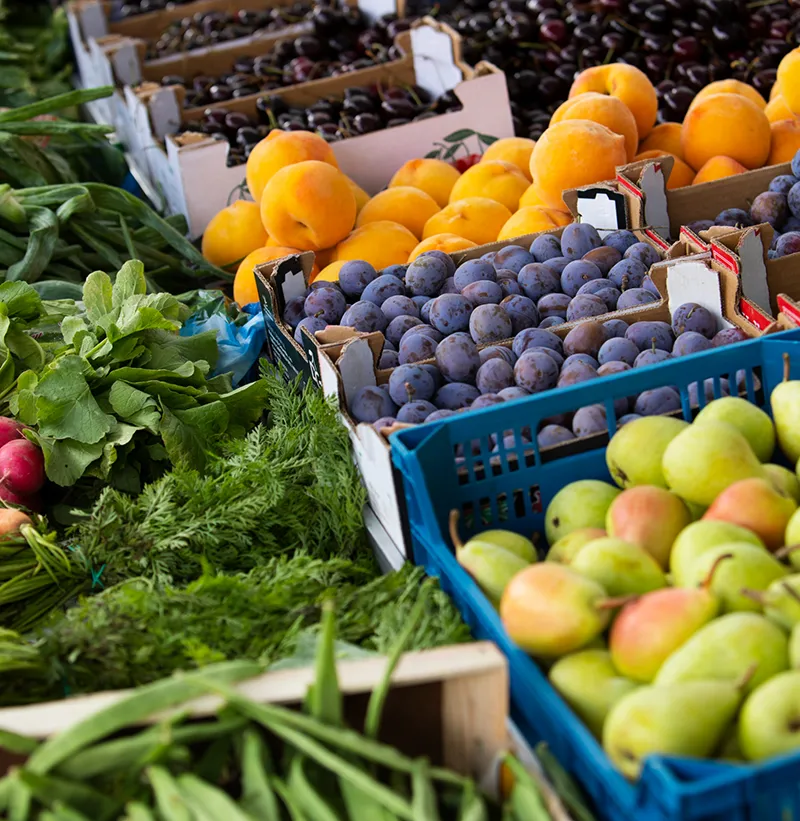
(227, 767)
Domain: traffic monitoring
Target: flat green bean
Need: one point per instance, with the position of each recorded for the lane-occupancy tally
(208, 803)
(258, 797)
(169, 800)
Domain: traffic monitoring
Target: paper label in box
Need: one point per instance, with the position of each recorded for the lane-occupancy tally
(602, 208)
(278, 348)
(312, 357)
(434, 61)
(694, 281)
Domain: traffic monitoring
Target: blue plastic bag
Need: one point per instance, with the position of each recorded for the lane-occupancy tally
(239, 344)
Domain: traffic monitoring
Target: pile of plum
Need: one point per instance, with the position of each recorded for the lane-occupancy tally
(779, 206)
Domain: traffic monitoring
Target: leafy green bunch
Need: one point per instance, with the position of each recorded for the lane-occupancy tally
(124, 395)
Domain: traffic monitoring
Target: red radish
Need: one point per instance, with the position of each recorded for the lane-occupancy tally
(21, 467)
(29, 502)
(11, 520)
(10, 430)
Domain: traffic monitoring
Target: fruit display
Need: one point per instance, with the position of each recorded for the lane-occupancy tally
(360, 111)
(665, 607)
(679, 46)
(779, 206)
(341, 42)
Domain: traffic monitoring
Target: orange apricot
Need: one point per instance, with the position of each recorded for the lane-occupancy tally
(680, 175)
(664, 137)
(244, 283)
(628, 84)
(478, 219)
(497, 180)
(233, 233)
(516, 150)
(777, 110)
(449, 243)
(533, 219)
(381, 244)
(411, 207)
(785, 141)
(727, 124)
(789, 80)
(600, 108)
(730, 87)
(434, 177)
(717, 168)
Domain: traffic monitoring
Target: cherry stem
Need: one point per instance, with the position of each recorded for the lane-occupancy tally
(706, 583)
(454, 537)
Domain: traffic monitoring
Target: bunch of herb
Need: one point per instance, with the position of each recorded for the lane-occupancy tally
(135, 633)
(125, 396)
(289, 486)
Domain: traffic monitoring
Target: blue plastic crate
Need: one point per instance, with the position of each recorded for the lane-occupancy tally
(451, 465)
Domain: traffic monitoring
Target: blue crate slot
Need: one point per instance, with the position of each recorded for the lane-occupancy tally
(451, 465)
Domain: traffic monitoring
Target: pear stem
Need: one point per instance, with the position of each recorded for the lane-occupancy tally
(786, 367)
(617, 601)
(756, 595)
(747, 677)
(786, 551)
(790, 591)
(706, 583)
(454, 537)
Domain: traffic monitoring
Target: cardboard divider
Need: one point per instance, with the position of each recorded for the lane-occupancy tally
(192, 172)
(659, 212)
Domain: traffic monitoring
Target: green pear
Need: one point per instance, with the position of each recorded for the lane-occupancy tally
(588, 682)
(785, 404)
(580, 504)
(792, 540)
(568, 547)
(728, 648)
(492, 557)
(622, 568)
(634, 453)
(769, 723)
(749, 567)
(703, 460)
(698, 538)
(794, 648)
(781, 601)
(747, 418)
(688, 718)
(783, 480)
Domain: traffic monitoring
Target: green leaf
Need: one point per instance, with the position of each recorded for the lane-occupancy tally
(189, 435)
(23, 403)
(66, 460)
(130, 281)
(135, 406)
(169, 351)
(486, 139)
(25, 347)
(245, 406)
(65, 405)
(120, 435)
(7, 372)
(71, 327)
(21, 300)
(432, 155)
(460, 135)
(42, 240)
(134, 319)
(98, 295)
(186, 374)
(452, 151)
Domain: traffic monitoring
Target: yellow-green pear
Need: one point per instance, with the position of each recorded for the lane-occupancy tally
(622, 568)
(580, 504)
(785, 404)
(748, 568)
(728, 648)
(747, 418)
(700, 537)
(792, 540)
(783, 480)
(588, 682)
(769, 724)
(492, 557)
(688, 718)
(794, 647)
(703, 460)
(635, 452)
(568, 547)
(781, 601)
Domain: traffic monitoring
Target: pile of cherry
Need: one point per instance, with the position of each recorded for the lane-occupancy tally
(362, 111)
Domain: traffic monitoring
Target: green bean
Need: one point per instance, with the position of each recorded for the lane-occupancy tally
(212, 764)
(56, 128)
(136, 811)
(209, 803)
(526, 799)
(18, 744)
(33, 163)
(306, 795)
(134, 707)
(42, 241)
(423, 796)
(99, 246)
(169, 800)
(295, 812)
(53, 289)
(473, 807)
(80, 204)
(324, 701)
(61, 812)
(377, 699)
(258, 797)
(121, 753)
(564, 785)
(47, 790)
(57, 103)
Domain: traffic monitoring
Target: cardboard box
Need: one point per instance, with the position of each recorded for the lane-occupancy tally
(192, 169)
(661, 213)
